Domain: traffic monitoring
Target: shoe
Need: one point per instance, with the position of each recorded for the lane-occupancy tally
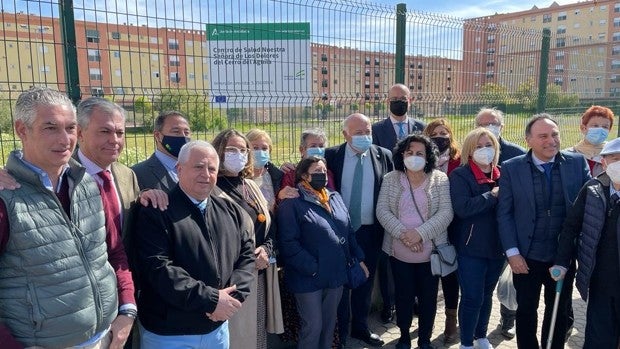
(403, 345)
(367, 337)
(387, 315)
(465, 347)
(508, 328)
(482, 343)
(426, 346)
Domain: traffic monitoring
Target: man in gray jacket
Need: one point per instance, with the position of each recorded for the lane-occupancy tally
(57, 288)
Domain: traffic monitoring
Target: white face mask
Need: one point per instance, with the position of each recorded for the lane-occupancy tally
(235, 162)
(613, 171)
(414, 163)
(484, 156)
(495, 130)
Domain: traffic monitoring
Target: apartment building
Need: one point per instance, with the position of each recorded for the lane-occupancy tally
(584, 48)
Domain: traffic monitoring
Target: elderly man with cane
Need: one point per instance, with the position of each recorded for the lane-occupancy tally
(591, 234)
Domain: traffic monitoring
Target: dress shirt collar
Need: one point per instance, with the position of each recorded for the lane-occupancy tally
(43, 177)
(168, 161)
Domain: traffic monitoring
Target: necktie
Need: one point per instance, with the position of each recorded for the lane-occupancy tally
(401, 130)
(548, 167)
(202, 206)
(355, 204)
(111, 206)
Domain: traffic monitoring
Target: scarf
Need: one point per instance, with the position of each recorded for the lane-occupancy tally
(321, 196)
(481, 177)
(590, 151)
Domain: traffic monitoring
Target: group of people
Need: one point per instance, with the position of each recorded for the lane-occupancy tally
(211, 245)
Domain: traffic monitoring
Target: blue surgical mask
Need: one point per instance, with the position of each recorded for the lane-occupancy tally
(596, 135)
(315, 151)
(261, 158)
(361, 142)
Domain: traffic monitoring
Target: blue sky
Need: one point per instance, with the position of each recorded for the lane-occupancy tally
(473, 8)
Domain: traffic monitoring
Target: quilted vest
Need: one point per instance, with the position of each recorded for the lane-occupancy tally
(550, 214)
(57, 288)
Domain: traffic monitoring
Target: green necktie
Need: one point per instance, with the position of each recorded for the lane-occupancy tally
(355, 204)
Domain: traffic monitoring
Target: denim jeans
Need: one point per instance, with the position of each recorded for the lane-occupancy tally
(478, 278)
(217, 339)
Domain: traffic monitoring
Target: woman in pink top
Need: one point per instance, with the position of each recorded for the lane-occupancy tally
(414, 207)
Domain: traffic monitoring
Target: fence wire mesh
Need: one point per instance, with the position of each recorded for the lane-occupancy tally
(284, 66)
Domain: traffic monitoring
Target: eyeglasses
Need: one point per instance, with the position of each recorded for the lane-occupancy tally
(236, 150)
(497, 124)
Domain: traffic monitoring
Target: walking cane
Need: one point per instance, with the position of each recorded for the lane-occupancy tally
(558, 290)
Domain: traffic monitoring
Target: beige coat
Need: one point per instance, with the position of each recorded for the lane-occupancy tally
(439, 208)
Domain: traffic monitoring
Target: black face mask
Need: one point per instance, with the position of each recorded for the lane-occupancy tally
(442, 143)
(318, 181)
(173, 144)
(398, 108)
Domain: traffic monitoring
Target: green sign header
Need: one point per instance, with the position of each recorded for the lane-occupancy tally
(258, 31)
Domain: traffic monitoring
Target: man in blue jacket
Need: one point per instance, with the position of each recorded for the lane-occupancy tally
(590, 234)
(536, 191)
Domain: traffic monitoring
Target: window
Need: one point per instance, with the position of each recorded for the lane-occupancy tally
(189, 43)
(558, 81)
(561, 29)
(95, 74)
(153, 40)
(190, 60)
(367, 72)
(367, 61)
(562, 16)
(367, 84)
(576, 25)
(377, 73)
(117, 72)
(601, 36)
(94, 56)
(615, 64)
(376, 84)
(617, 22)
(173, 44)
(615, 50)
(376, 61)
(174, 77)
(490, 51)
(174, 61)
(559, 68)
(617, 8)
(154, 58)
(546, 18)
(490, 74)
(323, 57)
(616, 36)
(119, 90)
(45, 69)
(116, 35)
(116, 54)
(92, 35)
(615, 78)
(560, 42)
(490, 63)
(324, 83)
(324, 70)
(191, 76)
(96, 92)
(155, 74)
(491, 39)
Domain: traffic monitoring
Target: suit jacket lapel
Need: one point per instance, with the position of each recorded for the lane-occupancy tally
(123, 186)
(388, 128)
(339, 164)
(160, 171)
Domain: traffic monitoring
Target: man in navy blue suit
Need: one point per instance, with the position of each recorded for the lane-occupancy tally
(386, 133)
(358, 167)
(536, 191)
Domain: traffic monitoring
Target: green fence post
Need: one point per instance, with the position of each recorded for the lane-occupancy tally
(67, 24)
(401, 20)
(544, 70)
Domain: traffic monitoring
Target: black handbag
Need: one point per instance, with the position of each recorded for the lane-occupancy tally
(355, 273)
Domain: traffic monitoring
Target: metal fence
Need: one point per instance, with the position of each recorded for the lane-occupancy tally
(285, 65)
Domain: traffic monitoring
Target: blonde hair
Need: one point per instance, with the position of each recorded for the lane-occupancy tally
(471, 142)
(256, 134)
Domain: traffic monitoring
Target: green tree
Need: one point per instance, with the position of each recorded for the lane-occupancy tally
(234, 114)
(492, 93)
(378, 108)
(526, 94)
(195, 107)
(6, 117)
(143, 104)
(354, 106)
(324, 109)
(556, 98)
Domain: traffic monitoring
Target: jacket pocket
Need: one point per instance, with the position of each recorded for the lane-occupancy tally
(36, 318)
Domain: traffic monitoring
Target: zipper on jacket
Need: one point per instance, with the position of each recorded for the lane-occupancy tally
(471, 231)
(213, 250)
